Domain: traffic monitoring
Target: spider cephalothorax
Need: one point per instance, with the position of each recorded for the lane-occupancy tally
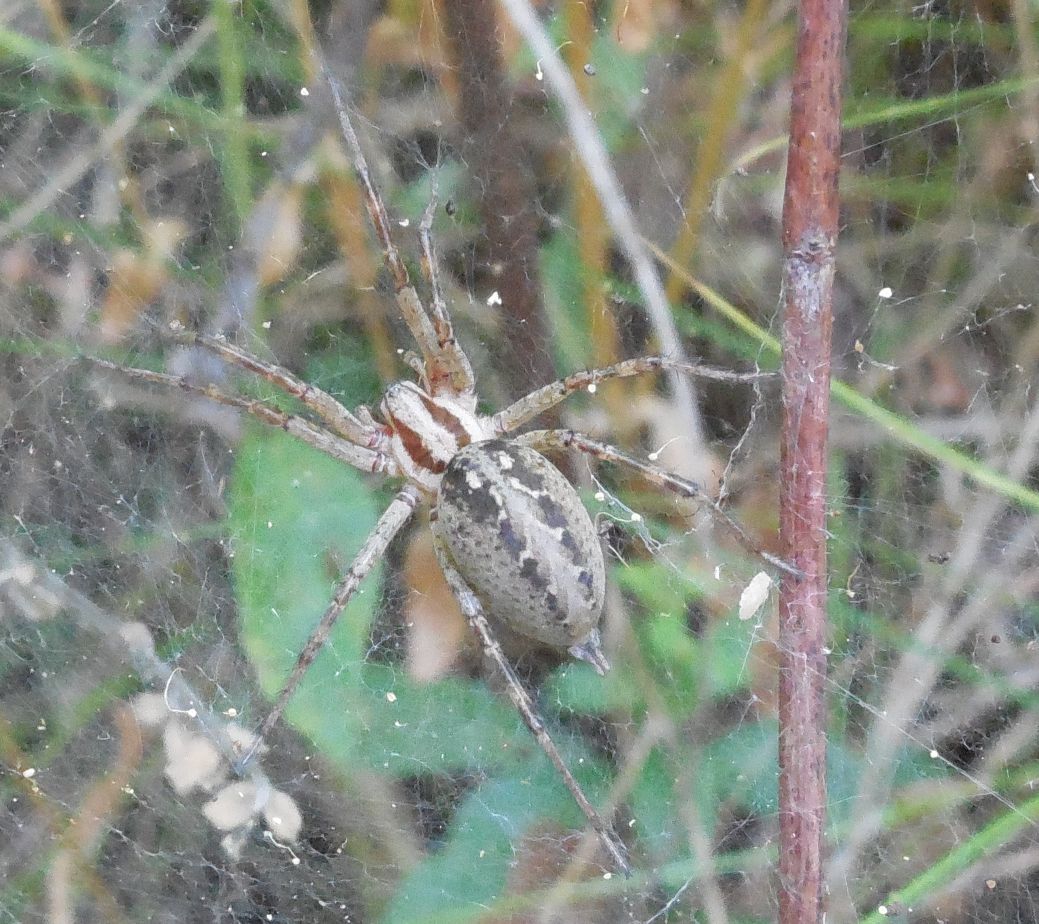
(427, 431)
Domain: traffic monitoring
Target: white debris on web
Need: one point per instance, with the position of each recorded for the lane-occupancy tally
(619, 512)
(241, 803)
(754, 595)
(654, 456)
(196, 764)
(191, 712)
(150, 710)
(193, 762)
(233, 806)
(269, 835)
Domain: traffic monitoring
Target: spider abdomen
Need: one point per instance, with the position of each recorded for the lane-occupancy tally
(518, 534)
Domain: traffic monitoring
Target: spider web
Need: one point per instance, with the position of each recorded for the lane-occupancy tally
(162, 560)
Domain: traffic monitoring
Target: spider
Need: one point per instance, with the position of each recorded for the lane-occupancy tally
(512, 537)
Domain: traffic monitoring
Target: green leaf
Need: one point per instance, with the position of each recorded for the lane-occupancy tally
(561, 271)
(725, 648)
(655, 810)
(376, 718)
(617, 89)
(675, 654)
(297, 519)
(656, 590)
(472, 869)
(577, 687)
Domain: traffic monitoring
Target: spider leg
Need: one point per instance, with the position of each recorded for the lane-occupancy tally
(446, 365)
(338, 417)
(455, 360)
(548, 396)
(569, 439)
(473, 610)
(393, 518)
(361, 457)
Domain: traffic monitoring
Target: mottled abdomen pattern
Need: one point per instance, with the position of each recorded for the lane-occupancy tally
(517, 532)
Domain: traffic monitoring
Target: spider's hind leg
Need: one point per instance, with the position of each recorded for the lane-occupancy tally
(474, 614)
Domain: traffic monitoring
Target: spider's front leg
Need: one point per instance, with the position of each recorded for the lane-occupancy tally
(548, 396)
(360, 456)
(339, 418)
(444, 363)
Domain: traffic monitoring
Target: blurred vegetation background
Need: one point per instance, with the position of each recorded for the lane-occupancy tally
(162, 560)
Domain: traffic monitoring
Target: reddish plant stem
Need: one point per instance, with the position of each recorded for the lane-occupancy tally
(810, 217)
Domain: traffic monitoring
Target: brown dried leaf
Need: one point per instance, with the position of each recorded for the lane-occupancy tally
(135, 278)
(275, 232)
(543, 858)
(944, 388)
(392, 42)
(637, 23)
(438, 630)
